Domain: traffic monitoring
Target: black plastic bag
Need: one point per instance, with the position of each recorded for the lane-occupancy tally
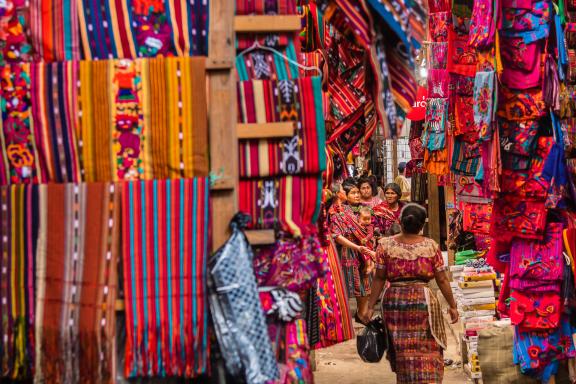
(372, 341)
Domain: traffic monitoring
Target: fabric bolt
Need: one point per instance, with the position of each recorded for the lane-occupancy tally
(484, 103)
(415, 328)
(300, 101)
(166, 226)
(18, 231)
(512, 217)
(76, 282)
(54, 116)
(19, 163)
(54, 30)
(483, 24)
(150, 105)
(522, 62)
(237, 312)
(538, 353)
(126, 29)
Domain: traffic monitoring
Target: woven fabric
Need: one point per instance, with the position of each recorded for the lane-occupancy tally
(54, 115)
(165, 225)
(300, 101)
(76, 282)
(18, 233)
(127, 29)
(19, 164)
(54, 29)
(156, 125)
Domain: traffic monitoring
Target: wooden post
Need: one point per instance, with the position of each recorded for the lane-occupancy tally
(450, 200)
(394, 158)
(433, 208)
(222, 120)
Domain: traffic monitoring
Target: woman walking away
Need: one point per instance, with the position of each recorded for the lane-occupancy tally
(410, 310)
(348, 234)
(368, 191)
(388, 212)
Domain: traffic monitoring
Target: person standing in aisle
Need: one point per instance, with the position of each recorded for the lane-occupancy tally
(403, 182)
(368, 192)
(388, 212)
(410, 310)
(347, 234)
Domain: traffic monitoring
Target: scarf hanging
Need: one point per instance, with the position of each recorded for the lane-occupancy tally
(54, 114)
(76, 282)
(19, 162)
(54, 29)
(165, 226)
(18, 231)
(126, 29)
(299, 101)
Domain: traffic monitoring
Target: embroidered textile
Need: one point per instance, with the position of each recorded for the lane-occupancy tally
(531, 23)
(18, 234)
(19, 162)
(438, 55)
(484, 103)
(521, 105)
(461, 15)
(300, 101)
(126, 29)
(535, 311)
(13, 29)
(165, 225)
(461, 57)
(76, 282)
(477, 217)
(522, 62)
(439, 23)
(512, 217)
(482, 24)
(519, 137)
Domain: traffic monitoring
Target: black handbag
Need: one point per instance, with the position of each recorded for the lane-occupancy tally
(372, 341)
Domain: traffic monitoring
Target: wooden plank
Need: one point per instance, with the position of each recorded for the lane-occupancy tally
(266, 130)
(223, 184)
(433, 208)
(395, 158)
(261, 237)
(216, 64)
(450, 200)
(267, 23)
(222, 120)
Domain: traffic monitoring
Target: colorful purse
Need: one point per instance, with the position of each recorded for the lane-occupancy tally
(482, 25)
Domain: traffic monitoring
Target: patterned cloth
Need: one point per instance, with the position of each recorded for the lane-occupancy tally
(411, 312)
(484, 103)
(76, 282)
(165, 226)
(300, 101)
(13, 30)
(18, 231)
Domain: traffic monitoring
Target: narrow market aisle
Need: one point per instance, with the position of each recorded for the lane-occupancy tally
(341, 364)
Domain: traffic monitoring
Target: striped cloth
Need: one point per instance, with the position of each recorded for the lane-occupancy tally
(300, 101)
(148, 115)
(18, 230)
(126, 28)
(76, 283)
(291, 202)
(165, 229)
(54, 29)
(54, 114)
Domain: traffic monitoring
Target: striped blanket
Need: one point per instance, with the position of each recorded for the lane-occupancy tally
(300, 101)
(18, 230)
(165, 228)
(76, 282)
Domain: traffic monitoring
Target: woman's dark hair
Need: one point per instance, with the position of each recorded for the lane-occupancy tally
(370, 180)
(349, 184)
(413, 218)
(395, 188)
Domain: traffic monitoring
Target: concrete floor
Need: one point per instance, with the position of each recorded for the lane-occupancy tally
(341, 364)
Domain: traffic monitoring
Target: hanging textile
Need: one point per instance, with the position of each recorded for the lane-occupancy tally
(18, 234)
(76, 282)
(54, 115)
(54, 29)
(19, 158)
(13, 29)
(165, 225)
(300, 101)
(126, 29)
(158, 125)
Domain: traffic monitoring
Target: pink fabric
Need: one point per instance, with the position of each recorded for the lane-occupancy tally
(522, 63)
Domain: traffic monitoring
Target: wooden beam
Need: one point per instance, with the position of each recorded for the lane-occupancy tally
(261, 236)
(267, 23)
(217, 64)
(266, 130)
(222, 120)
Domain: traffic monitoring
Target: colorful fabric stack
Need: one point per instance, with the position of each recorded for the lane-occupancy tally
(76, 282)
(165, 249)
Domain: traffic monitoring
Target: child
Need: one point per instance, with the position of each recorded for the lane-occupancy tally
(368, 240)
